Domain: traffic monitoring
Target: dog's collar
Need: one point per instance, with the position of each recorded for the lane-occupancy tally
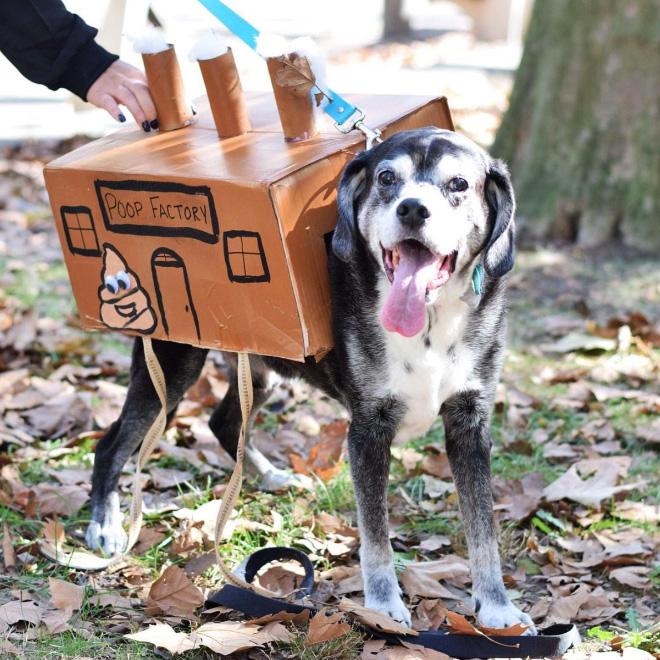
(478, 279)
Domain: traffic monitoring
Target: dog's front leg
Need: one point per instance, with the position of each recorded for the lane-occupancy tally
(369, 443)
(466, 418)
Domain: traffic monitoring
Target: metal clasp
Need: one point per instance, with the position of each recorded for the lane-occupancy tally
(356, 121)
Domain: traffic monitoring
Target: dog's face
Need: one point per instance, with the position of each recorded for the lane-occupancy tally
(426, 203)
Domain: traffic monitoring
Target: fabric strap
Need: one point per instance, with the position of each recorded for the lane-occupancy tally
(553, 641)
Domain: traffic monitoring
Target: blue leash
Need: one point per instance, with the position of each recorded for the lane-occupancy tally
(346, 115)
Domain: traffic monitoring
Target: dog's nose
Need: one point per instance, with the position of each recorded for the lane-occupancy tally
(412, 213)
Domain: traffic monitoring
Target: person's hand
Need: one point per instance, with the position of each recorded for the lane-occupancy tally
(123, 83)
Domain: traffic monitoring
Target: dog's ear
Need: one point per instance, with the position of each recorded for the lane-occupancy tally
(499, 254)
(351, 183)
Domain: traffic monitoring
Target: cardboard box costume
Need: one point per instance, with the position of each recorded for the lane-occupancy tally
(214, 242)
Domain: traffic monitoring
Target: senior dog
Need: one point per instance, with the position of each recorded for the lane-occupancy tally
(416, 335)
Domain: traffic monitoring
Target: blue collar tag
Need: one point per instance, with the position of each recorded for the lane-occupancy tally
(478, 279)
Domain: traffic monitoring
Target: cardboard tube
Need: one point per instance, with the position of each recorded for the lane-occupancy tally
(296, 112)
(166, 86)
(223, 86)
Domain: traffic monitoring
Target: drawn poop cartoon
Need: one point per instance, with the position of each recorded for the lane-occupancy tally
(125, 305)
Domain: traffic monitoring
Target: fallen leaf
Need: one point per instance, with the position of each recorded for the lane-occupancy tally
(164, 636)
(174, 594)
(226, 637)
(602, 486)
(636, 577)
(324, 626)
(422, 578)
(373, 619)
(18, 610)
(66, 595)
(298, 618)
(52, 530)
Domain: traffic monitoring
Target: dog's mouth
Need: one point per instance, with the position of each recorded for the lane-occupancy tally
(414, 272)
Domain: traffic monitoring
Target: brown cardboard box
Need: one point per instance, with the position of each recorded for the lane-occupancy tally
(217, 243)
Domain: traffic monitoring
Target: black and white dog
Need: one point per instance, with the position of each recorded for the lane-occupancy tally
(414, 337)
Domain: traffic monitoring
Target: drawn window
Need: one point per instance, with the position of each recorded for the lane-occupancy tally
(79, 229)
(244, 254)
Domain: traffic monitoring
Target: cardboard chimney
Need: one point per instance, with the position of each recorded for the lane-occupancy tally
(220, 243)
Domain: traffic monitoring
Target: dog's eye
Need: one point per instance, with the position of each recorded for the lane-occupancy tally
(458, 184)
(386, 178)
(111, 284)
(123, 280)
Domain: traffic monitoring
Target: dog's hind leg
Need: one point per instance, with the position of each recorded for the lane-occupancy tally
(466, 418)
(181, 366)
(226, 422)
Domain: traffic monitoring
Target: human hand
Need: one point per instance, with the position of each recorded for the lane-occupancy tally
(123, 83)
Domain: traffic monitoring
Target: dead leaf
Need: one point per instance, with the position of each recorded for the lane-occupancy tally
(174, 594)
(298, 618)
(324, 626)
(423, 578)
(18, 610)
(59, 500)
(324, 459)
(226, 637)
(373, 619)
(53, 531)
(602, 486)
(164, 636)
(66, 595)
(297, 75)
(636, 577)
(148, 538)
(565, 609)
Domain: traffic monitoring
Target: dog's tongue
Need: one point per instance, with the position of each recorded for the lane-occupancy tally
(405, 307)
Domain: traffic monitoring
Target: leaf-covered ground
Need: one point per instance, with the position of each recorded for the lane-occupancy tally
(576, 468)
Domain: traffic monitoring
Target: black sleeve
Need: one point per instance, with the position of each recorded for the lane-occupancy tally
(51, 46)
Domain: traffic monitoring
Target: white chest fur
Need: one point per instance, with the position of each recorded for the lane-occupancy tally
(423, 371)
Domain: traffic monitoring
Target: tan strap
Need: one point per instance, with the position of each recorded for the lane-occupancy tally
(82, 560)
(233, 490)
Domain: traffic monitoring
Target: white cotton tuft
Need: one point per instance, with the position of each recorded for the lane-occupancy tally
(272, 45)
(150, 41)
(307, 47)
(208, 46)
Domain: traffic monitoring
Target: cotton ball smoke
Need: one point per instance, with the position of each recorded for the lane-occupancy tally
(209, 46)
(272, 45)
(149, 42)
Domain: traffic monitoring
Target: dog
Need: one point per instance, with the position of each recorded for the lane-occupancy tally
(422, 216)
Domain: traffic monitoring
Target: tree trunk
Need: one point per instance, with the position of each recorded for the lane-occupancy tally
(394, 24)
(582, 132)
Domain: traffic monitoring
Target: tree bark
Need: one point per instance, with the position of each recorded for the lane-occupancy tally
(394, 24)
(582, 132)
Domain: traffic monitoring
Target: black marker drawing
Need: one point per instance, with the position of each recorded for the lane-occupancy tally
(125, 305)
(245, 257)
(158, 208)
(79, 230)
(173, 293)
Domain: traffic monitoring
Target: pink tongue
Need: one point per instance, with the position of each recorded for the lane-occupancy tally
(405, 307)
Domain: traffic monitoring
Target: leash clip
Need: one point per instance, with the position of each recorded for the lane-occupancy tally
(357, 123)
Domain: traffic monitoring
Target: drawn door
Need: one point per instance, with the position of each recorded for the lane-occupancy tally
(173, 294)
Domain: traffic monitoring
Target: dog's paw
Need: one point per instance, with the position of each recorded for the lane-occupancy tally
(394, 608)
(496, 615)
(275, 480)
(110, 539)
